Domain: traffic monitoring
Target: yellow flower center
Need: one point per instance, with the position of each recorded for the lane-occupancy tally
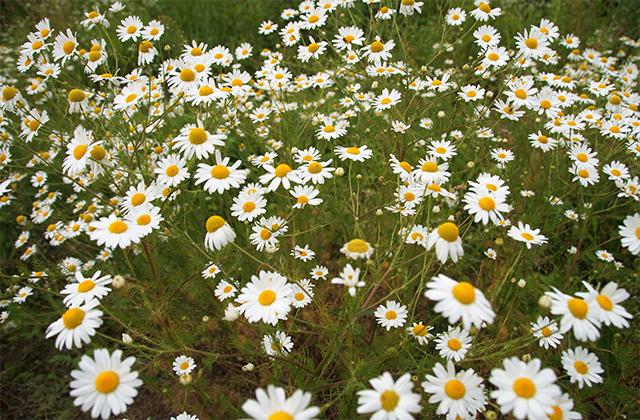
(72, 318)
(385, 101)
(312, 48)
(145, 46)
(214, 223)
(484, 7)
(348, 39)
(389, 400)
(131, 29)
(266, 297)
(196, 51)
(249, 206)
(187, 75)
(299, 296)
(353, 150)
(220, 172)
(172, 170)
(615, 100)
(68, 47)
(79, 151)
(94, 55)
(76, 95)
(524, 388)
(9, 92)
(454, 344)
(545, 103)
(197, 135)
(406, 166)
(265, 234)
(205, 91)
(117, 227)
(464, 293)
(531, 43)
(454, 389)
(237, 82)
(578, 308)
(98, 153)
(143, 220)
(448, 231)
(581, 367)
(486, 37)
(86, 286)
(546, 331)
(227, 288)
(429, 167)
(137, 199)
(314, 168)
(582, 157)
(357, 246)
(487, 203)
(493, 56)
(282, 170)
(419, 330)
(314, 18)
(583, 173)
(107, 381)
(280, 415)
(376, 46)
(543, 139)
(521, 93)
(604, 301)
(391, 314)
(557, 413)
(527, 236)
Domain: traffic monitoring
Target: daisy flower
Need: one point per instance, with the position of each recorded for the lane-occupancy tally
(354, 153)
(421, 332)
(357, 248)
(266, 298)
(76, 326)
(219, 233)
(104, 384)
(248, 206)
(305, 195)
(183, 365)
(524, 233)
(302, 293)
(389, 399)
(447, 241)
(83, 290)
(130, 29)
(278, 344)
(532, 44)
(609, 299)
(196, 141)
(386, 100)
(459, 300)
(580, 315)
(221, 176)
(349, 277)
(460, 395)
(582, 366)
(378, 51)
(391, 315)
(274, 404)
(282, 174)
(211, 271)
(524, 389)
(547, 332)
(22, 294)
(629, 230)
(171, 170)
(113, 231)
(453, 344)
(456, 16)
(485, 207)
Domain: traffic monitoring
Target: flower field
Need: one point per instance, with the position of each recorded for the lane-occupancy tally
(333, 209)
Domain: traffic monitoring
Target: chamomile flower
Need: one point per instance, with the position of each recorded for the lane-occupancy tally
(171, 170)
(524, 233)
(524, 389)
(354, 153)
(76, 326)
(130, 29)
(609, 299)
(219, 233)
(391, 315)
(248, 206)
(453, 344)
(629, 230)
(305, 195)
(578, 314)
(85, 289)
(274, 404)
(547, 332)
(221, 176)
(196, 141)
(183, 365)
(458, 300)
(349, 277)
(267, 298)
(460, 395)
(278, 344)
(582, 366)
(211, 271)
(104, 384)
(386, 99)
(113, 231)
(357, 248)
(389, 399)
(447, 241)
